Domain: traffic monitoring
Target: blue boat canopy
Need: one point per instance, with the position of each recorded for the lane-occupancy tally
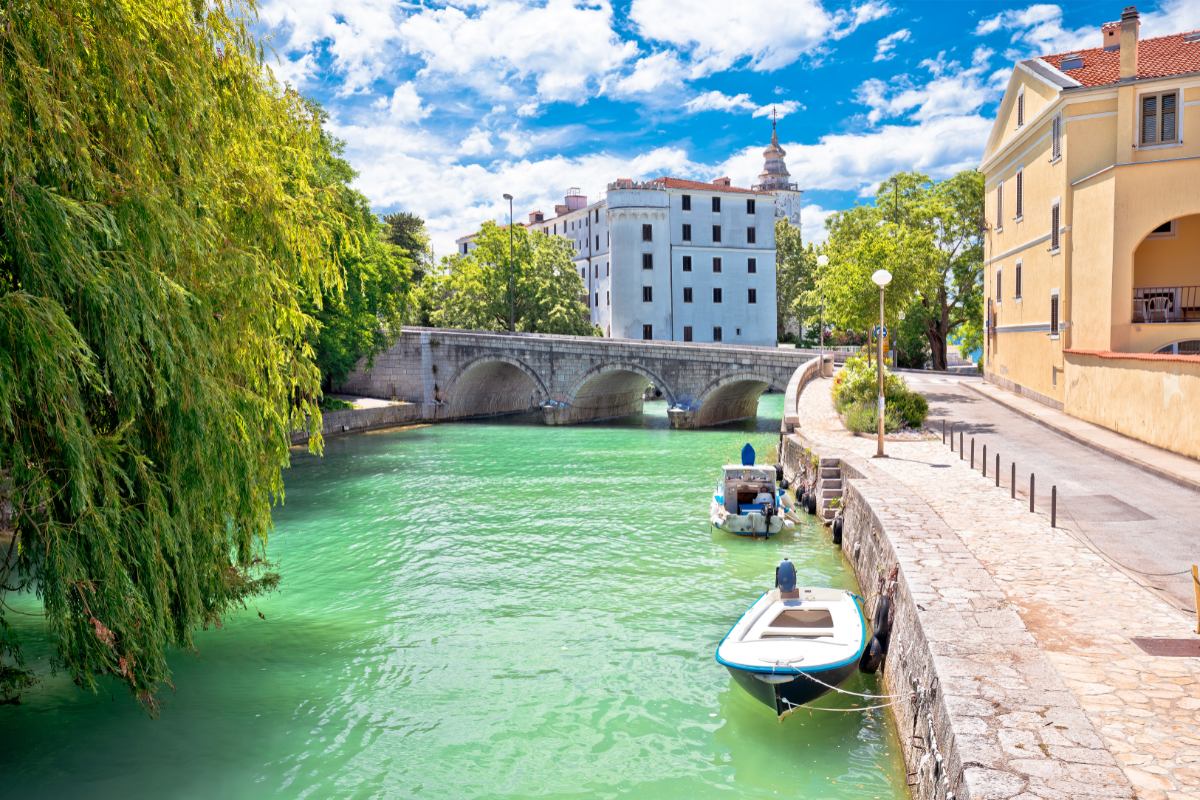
(747, 456)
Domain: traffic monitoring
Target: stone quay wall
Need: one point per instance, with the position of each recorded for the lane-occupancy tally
(353, 420)
(972, 692)
(455, 374)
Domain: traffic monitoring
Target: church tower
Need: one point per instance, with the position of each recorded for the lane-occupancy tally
(776, 178)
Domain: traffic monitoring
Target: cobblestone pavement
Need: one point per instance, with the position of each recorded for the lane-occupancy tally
(1081, 611)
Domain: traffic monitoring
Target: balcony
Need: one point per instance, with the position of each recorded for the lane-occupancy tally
(1164, 304)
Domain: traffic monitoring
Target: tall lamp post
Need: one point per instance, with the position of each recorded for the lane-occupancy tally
(822, 262)
(881, 279)
(512, 328)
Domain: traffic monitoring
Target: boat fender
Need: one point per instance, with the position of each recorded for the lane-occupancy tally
(872, 657)
(837, 531)
(783, 484)
(812, 504)
(785, 576)
(883, 622)
(778, 472)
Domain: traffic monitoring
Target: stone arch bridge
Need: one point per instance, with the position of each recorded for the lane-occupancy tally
(460, 374)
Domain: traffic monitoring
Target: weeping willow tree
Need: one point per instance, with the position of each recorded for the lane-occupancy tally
(158, 233)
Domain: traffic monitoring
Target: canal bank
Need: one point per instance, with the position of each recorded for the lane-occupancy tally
(552, 636)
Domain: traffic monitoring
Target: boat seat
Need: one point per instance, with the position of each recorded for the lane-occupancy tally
(745, 507)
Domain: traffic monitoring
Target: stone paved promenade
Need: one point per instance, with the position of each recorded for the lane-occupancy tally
(1081, 612)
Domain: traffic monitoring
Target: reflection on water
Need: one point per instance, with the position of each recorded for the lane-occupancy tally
(493, 609)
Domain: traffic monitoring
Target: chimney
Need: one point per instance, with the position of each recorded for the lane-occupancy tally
(1110, 36)
(1129, 43)
(724, 181)
(536, 216)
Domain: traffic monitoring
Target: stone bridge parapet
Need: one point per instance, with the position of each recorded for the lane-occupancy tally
(458, 374)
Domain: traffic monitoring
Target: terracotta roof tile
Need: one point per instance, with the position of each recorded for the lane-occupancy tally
(1157, 58)
(679, 183)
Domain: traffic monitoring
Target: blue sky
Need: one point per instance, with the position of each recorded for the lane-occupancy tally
(446, 106)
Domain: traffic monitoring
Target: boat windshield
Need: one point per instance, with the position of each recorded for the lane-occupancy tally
(803, 618)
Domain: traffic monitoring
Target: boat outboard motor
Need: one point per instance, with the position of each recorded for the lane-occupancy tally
(785, 576)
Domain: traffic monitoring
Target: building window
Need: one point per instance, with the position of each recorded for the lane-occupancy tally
(1020, 194)
(716, 294)
(687, 263)
(1159, 117)
(556, 229)
(647, 261)
(687, 233)
(716, 204)
(597, 215)
(752, 266)
(1056, 138)
(1054, 224)
(597, 299)
(606, 269)
(647, 294)
(716, 233)
(749, 206)
(687, 333)
(687, 202)
(647, 331)
(751, 296)
(597, 241)
(999, 284)
(1000, 206)
(750, 236)
(1017, 281)
(717, 264)
(687, 294)
(1054, 313)
(1021, 107)
(647, 233)
(716, 333)
(607, 238)
(607, 299)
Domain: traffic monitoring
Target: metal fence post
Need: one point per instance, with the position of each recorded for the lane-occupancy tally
(960, 445)
(972, 452)
(1031, 492)
(1013, 480)
(943, 431)
(985, 461)
(1053, 506)
(997, 470)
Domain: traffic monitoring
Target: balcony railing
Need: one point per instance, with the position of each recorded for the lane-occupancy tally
(1166, 304)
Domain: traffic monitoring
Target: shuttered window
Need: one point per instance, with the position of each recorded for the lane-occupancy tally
(1020, 193)
(716, 295)
(647, 331)
(749, 206)
(687, 263)
(1021, 107)
(687, 294)
(1054, 314)
(752, 265)
(999, 284)
(647, 294)
(1017, 281)
(999, 206)
(1054, 217)
(751, 236)
(716, 333)
(1056, 138)
(687, 233)
(716, 264)
(687, 202)
(716, 233)
(1160, 118)
(716, 204)
(647, 233)
(687, 333)
(647, 261)
(751, 295)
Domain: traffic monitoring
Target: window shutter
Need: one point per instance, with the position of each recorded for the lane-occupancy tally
(991, 319)
(1020, 193)
(1056, 138)
(1149, 119)
(647, 233)
(1054, 227)
(1168, 118)
(1020, 109)
(1017, 281)
(1054, 314)
(999, 286)
(999, 206)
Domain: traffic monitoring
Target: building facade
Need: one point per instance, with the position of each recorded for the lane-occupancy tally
(1092, 252)
(679, 260)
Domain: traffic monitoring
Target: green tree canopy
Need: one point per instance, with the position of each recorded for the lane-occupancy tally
(162, 218)
(795, 275)
(472, 291)
(407, 231)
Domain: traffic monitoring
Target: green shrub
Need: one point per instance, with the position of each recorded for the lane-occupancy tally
(333, 404)
(856, 393)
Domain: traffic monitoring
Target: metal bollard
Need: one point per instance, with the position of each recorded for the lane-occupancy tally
(943, 431)
(951, 437)
(985, 461)
(1031, 492)
(1013, 481)
(997, 470)
(972, 452)
(960, 445)
(1053, 506)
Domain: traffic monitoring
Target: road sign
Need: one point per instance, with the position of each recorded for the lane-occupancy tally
(877, 332)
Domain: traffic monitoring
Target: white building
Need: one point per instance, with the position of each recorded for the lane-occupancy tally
(679, 260)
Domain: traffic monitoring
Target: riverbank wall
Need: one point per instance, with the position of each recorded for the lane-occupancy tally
(972, 694)
(354, 420)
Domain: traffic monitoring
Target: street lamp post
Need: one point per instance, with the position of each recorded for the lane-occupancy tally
(822, 262)
(881, 278)
(512, 328)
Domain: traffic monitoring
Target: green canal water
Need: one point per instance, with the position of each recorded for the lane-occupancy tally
(481, 610)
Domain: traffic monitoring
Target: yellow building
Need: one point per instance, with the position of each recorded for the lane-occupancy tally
(1092, 253)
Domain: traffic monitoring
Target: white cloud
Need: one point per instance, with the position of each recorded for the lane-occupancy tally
(652, 72)
(771, 35)
(885, 47)
(563, 47)
(952, 91)
(1038, 30)
(405, 105)
(781, 110)
(529, 109)
(719, 101)
(1173, 16)
(812, 222)
(478, 143)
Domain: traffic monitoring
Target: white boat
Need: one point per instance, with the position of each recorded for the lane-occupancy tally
(749, 501)
(795, 644)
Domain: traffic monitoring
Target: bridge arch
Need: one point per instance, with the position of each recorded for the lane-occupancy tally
(493, 384)
(732, 397)
(612, 389)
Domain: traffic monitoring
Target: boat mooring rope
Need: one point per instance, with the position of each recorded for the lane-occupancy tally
(841, 691)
